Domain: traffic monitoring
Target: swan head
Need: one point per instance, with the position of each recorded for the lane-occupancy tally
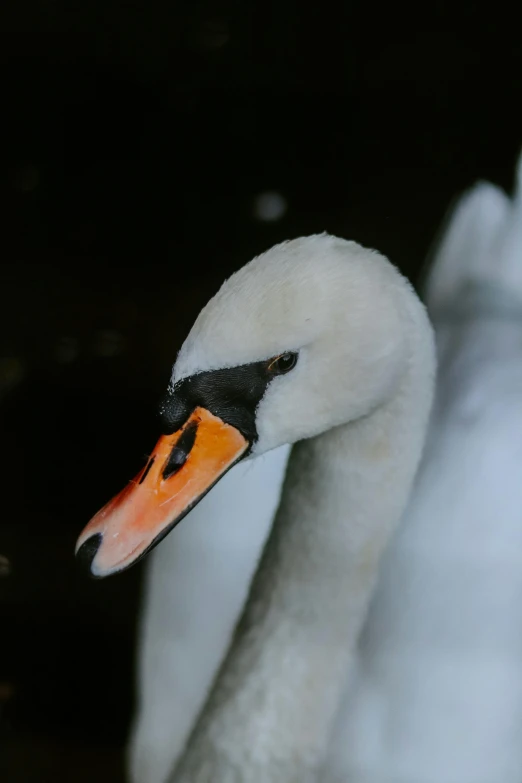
(307, 336)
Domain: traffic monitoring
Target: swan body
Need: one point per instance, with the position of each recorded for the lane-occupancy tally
(436, 695)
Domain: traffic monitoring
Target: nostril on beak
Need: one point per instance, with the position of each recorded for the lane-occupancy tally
(181, 450)
(87, 552)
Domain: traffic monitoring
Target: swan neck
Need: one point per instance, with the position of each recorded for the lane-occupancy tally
(271, 710)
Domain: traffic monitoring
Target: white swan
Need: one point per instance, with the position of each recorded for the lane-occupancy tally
(410, 715)
(437, 696)
(318, 341)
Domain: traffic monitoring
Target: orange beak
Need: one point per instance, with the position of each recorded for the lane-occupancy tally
(180, 471)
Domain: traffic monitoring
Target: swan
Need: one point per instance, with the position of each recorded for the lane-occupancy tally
(472, 299)
(436, 694)
(322, 344)
(469, 291)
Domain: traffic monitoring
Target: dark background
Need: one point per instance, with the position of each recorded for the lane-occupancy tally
(136, 138)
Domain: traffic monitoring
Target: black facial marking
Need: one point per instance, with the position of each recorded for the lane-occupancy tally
(232, 394)
(174, 412)
(146, 471)
(180, 452)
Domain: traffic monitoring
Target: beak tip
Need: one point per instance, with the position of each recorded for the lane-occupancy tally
(86, 553)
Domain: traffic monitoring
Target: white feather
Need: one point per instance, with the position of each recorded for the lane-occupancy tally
(437, 696)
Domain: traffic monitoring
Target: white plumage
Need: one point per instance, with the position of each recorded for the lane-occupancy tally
(366, 363)
(436, 695)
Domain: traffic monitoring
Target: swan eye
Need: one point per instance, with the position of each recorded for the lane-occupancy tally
(282, 364)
